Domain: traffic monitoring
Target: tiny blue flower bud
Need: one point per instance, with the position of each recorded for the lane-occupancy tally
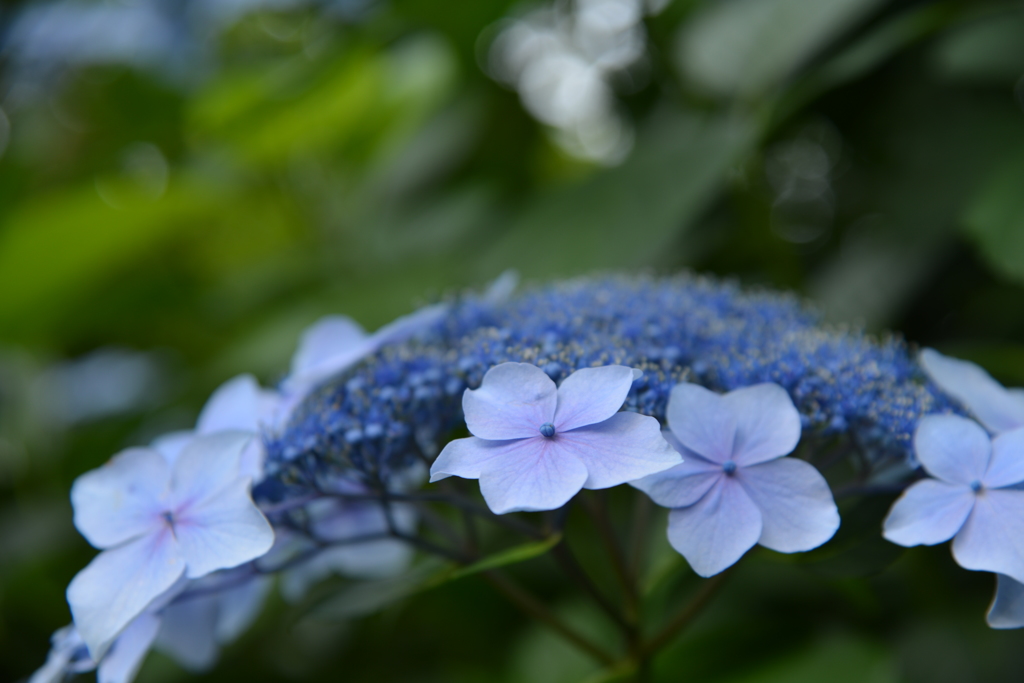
(729, 467)
(547, 429)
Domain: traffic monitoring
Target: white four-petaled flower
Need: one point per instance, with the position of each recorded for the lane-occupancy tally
(157, 523)
(535, 445)
(734, 488)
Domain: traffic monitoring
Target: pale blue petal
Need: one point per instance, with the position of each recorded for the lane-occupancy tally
(991, 539)
(531, 474)
(928, 512)
(222, 531)
(702, 421)
(682, 485)
(63, 646)
(1006, 466)
(952, 448)
(171, 445)
(119, 584)
(187, 633)
(1007, 609)
(240, 404)
(513, 401)
(591, 395)
(209, 463)
(327, 346)
(767, 423)
(625, 447)
(122, 662)
(996, 407)
(717, 530)
(122, 499)
(409, 325)
(239, 607)
(501, 288)
(797, 509)
(469, 458)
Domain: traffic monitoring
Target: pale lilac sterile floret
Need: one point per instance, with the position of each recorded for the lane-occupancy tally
(971, 496)
(535, 445)
(998, 408)
(157, 523)
(734, 488)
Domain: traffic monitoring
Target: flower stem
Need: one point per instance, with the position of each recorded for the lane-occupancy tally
(685, 616)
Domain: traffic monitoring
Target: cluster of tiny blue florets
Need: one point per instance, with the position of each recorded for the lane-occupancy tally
(405, 400)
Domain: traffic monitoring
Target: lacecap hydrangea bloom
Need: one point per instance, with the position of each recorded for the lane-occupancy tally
(534, 446)
(734, 488)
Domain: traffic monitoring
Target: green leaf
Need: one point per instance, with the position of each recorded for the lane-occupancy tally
(626, 217)
(514, 555)
(995, 219)
(743, 48)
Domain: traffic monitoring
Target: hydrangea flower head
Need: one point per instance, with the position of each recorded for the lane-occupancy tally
(734, 488)
(535, 445)
(157, 523)
(972, 495)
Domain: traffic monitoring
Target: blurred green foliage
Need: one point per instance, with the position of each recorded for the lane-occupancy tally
(867, 154)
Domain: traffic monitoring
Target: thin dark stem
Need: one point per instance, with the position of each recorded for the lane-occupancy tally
(685, 616)
(598, 509)
(563, 555)
(638, 533)
(536, 609)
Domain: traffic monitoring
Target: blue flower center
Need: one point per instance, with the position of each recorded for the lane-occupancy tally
(976, 486)
(547, 429)
(729, 467)
(169, 518)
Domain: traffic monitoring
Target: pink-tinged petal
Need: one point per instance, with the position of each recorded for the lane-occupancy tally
(591, 395)
(531, 474)
(469, 458)
(991, 539)
(625, 447)
(122, 499)
(209, 463)
(1007, 609)
(187, 633)
(1006, 467)
(928, 512)
(702, 421)
(409, 325)
(797, 509)
(998, 408)
(119, 584)
(767, 423)
(513, 401)
(952, 448)
(682, 485)
(329, 345)
(717, 530)
(222, 531)
(171, 445)
(125, 657)
(240, 404)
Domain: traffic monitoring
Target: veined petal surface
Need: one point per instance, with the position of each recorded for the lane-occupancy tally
(952, 448)
(126, 655)
(625, 447)
(767, 423)
(683, 484)
(998, 408)
(797, 509)
(513, 401)
(209, 463)
(532, 474)
(591, 395)
(928, 512)
(713, 533)
(991, 538)
(240, 404)
(702, 421)
(1006, 466)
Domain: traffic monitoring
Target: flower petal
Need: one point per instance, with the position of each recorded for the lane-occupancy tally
(327, 346)
(996, 407)
(187, 632)
(239, 607)
(991, 539)
(513, 401)
(591, 395)
(952, 448)
(222, 531)
(531, 474)
(682, 485)
(122, 499)
(119, 584)
(797, 509)
(239, 404)
(928, 512)
(469, 458)
(767, 423)
(409, 325)
(1006, 467)
(171, 445)
(208, 463)
(125, 657)
(1007, 609)
(625, 447)
(717, 530)
(702, 421)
